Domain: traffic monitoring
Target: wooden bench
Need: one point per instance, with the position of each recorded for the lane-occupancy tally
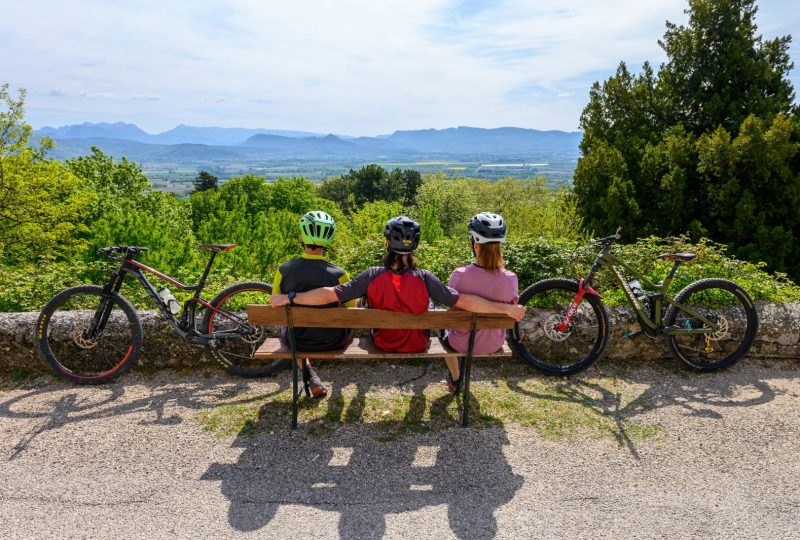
(363, 348)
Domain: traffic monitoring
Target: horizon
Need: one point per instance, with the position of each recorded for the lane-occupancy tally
(440, 64)
(311, 134)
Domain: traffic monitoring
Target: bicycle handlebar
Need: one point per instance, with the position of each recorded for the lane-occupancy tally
(124, 250)
(609, 240)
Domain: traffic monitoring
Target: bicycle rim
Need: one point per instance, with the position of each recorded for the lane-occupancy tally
(75, 352)
(725, 305)
(538, 340)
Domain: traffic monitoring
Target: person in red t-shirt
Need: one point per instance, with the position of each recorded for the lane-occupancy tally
(399, 286)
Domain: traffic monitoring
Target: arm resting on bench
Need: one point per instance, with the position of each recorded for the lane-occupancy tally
(314, 297)
(477, 304)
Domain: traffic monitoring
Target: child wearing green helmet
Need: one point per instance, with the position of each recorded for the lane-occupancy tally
(307, 272)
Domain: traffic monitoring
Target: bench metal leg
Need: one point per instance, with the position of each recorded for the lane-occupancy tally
(295, 381)
(466, 375)
(466, 372)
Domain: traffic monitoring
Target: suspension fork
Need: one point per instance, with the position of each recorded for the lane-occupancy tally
(584, 288)
(106, 303)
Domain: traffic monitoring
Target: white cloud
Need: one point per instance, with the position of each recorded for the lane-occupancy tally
(95, 95)
(350, 66)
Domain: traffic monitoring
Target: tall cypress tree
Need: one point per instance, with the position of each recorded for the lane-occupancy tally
(708, 145)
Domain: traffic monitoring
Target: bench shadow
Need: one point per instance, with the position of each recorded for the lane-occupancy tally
(62, 405)
(350, 470)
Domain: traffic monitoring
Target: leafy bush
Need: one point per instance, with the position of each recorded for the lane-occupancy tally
(541, 258)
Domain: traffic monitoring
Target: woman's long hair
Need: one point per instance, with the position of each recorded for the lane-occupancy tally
(391, 258)
(489, 256)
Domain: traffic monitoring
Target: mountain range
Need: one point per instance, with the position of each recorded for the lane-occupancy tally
(192, 144)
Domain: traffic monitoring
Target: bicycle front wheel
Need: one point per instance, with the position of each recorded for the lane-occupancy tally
(726, 305)
(551, 347)
(235, 352)
(86, 338)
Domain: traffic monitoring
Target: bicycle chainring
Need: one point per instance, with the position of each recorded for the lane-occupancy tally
(253, 336)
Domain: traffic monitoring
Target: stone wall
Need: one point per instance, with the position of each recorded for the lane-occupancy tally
(778, 338)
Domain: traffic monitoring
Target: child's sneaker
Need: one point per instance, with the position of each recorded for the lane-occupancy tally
(318, 390)
(453, 386)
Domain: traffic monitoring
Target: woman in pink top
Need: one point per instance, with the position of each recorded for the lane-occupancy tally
(486, 277)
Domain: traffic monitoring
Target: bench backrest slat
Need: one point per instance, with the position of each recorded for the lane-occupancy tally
(264, 315)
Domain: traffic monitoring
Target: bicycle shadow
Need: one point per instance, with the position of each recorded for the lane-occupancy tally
(351, 472)
(74, 404)
(698, 394)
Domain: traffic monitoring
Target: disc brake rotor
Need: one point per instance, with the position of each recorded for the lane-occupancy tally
(81, 341)
(552, 332)
(722, 331)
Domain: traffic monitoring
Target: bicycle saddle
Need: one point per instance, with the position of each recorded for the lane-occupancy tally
(217, 247)
(678, 256)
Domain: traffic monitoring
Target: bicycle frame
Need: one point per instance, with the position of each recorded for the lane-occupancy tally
(654, 325)
(183, 326)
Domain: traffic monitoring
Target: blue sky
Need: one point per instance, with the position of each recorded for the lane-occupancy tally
(359, 67)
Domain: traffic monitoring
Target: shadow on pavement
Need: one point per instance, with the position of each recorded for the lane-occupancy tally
(53, 407)
(351, 472)
(696, 393)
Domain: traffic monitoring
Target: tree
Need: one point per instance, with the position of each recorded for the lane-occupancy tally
(665, 153)
(119, 185)
(371, 183)
(41, 203)
(719, 71)
(205, 181)
(339, 189)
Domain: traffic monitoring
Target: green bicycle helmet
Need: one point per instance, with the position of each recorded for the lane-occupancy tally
(317, 228)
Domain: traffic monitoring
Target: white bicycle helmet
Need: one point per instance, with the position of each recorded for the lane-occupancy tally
(487, 227)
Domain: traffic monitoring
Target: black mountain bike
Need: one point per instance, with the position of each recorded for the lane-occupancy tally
(91, 334)
(710, 324)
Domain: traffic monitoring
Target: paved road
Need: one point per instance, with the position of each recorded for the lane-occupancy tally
(131, 461)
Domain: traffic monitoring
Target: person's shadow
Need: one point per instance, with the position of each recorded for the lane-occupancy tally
(350, 471)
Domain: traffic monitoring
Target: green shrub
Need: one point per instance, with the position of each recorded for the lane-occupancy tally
(541, 258)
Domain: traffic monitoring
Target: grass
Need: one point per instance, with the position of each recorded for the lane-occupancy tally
(556, 409)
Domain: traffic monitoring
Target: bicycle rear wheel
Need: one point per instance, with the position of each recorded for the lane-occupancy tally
(67, 342)
(725, 304)
(537, 339)
(235, 353)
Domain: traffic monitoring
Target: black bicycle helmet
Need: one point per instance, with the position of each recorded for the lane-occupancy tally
(487, 227)
(403, 234)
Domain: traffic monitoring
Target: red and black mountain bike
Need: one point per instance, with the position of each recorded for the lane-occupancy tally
(91, 334)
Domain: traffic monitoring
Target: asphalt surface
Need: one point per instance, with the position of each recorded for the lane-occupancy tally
(130, 461)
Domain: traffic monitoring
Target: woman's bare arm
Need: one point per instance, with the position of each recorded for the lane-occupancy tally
(477, 304)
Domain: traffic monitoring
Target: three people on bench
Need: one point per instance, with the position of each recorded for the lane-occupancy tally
(401, 286)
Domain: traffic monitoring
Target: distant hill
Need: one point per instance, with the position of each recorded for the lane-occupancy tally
(181, 134)
(478, 143)
(174, 154)
(499, 141)
(87, 130)
(220, 136)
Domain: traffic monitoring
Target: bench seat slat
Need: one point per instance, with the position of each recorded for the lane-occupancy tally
(264, 315)
(362, 348)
